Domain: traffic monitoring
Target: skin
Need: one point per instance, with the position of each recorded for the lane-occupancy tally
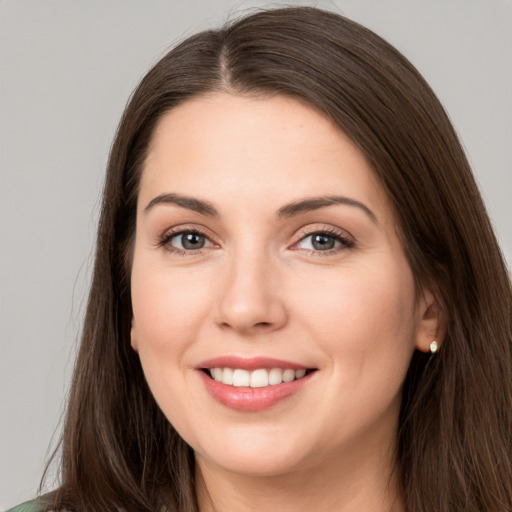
(259, 287)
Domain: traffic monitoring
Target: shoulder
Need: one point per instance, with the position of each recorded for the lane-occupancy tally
(40, 504)
(29, 506)
(37, 505)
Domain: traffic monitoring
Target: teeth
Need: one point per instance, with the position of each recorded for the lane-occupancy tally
(299, 374)
(227, 376)
(288, 375)
(241, 378)
(275, 376)
(217, 374)
(257, 378)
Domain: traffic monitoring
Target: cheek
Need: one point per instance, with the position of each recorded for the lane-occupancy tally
(168, 310)
(168, 313)
(364, 314)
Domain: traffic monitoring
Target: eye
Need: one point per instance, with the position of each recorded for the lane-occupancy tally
(322, 241)
(186, 241)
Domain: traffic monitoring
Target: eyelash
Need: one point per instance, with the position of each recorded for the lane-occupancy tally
(345, 242)
(167, 237)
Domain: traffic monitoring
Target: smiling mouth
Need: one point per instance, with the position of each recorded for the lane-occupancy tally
(259, 378)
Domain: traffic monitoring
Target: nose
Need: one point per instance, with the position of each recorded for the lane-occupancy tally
(251, 300)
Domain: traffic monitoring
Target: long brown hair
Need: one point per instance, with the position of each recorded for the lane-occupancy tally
(454, 439)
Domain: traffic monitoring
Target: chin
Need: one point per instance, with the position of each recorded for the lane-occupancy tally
(253, 455)
(254, 465)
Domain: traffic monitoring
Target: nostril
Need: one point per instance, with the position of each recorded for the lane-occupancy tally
(262, 324)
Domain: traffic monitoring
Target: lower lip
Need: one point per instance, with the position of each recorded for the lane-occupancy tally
(252, 399)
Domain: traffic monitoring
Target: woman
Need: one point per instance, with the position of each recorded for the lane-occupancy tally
(298, 302)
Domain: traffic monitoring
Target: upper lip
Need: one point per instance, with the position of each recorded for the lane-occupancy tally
(249, 363)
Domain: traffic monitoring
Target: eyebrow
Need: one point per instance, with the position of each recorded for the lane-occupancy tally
(190, 203)
(314, 203)
(290, 210)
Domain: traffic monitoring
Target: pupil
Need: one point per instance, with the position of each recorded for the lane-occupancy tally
(192, 241)
(323, 242)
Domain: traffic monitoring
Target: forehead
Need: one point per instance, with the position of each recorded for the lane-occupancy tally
(253, 120)
(267, 146)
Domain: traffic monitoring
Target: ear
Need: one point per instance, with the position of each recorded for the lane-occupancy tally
(432, 321)
(133, 337)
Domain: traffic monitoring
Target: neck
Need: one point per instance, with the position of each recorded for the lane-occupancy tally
(344, 483)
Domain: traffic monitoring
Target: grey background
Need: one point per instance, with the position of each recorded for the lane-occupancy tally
(67, 68)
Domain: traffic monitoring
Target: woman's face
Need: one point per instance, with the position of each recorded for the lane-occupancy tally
(266, 255)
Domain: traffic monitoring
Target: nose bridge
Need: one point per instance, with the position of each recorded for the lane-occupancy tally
(250, 298)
